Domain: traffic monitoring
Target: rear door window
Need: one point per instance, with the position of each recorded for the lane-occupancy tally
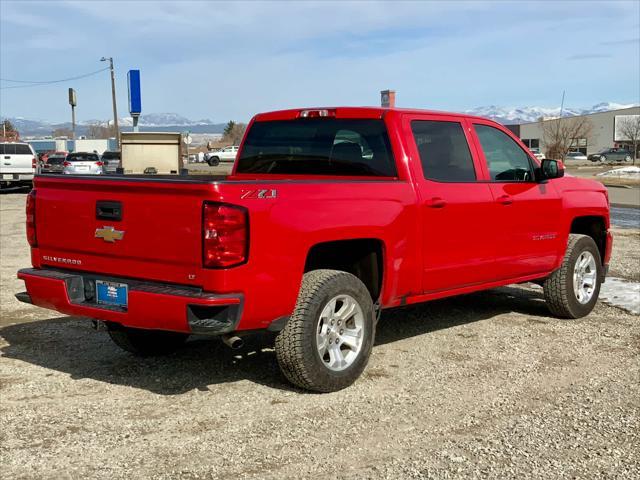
(22, 149)
(507, 162)
(8, 149)
(323, 146)
(444, 151)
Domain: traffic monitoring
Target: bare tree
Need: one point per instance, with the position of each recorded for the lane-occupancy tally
(62, 132)
(9, 132)
(629, 129)
(561, 134)
(97, 130)
(233, 132)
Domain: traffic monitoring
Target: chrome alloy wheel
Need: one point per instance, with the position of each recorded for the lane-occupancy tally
(340, 332)
(584, 277)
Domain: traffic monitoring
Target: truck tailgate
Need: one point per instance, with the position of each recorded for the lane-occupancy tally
(156, 235)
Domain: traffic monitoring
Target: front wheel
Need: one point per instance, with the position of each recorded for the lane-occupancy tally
(572, 290)
(146, 343)
(627, 158)
(603, 159)
(213, 161)
(327, 342)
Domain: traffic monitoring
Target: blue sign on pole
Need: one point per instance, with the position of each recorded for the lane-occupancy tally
(135, 100)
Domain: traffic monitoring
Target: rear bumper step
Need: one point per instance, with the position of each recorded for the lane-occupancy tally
(151, 305)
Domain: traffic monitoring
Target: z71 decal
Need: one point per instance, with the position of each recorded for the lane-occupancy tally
(262, 193)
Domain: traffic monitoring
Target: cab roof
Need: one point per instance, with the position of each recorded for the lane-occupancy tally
(355, 112)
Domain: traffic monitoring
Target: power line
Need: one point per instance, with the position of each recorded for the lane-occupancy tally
(31, 83)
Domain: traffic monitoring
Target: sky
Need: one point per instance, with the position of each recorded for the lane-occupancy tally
(223, 61)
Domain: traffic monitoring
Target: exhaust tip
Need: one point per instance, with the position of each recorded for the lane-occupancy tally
(233, 342)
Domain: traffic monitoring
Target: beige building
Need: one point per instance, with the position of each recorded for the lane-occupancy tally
(603, 135)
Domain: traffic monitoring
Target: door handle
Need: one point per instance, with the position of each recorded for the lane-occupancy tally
(505, 199)
(436, 202)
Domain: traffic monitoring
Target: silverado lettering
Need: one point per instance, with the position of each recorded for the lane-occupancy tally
(384, 207)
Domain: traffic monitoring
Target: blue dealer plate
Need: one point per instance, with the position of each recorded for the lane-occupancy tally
(112, 293)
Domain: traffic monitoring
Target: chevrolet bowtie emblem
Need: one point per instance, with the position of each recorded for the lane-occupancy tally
(109, 234)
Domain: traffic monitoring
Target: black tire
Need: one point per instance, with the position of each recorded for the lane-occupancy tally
(558, 287)
(296, 348)
(146, 343)
(213, 161)
(603, 158)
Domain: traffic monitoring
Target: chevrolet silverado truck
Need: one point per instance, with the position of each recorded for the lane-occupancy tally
(329, 216)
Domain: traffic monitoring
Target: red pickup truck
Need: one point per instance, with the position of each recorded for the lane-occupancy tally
(329, 216)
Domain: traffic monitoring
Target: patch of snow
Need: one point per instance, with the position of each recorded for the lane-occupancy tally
(621, 293)
(627, 172)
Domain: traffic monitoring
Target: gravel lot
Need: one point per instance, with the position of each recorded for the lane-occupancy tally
(486, 385)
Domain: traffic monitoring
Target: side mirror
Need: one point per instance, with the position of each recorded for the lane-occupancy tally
(550, 169)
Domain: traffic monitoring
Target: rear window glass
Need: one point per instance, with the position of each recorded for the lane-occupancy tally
(318, 147)
(82, 157)
(111, 156)
(15, 149)
(55, 159)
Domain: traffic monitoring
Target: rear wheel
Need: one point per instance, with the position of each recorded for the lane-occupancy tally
(627, 158)
(603, 158)
(146, 343)
(326, 344)
(213, 161)
(572, 290)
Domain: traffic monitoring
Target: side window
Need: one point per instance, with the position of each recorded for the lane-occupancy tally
(507, 162)
(444, 152)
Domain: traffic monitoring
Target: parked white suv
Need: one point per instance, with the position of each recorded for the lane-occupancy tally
(17, 163)
(226, 154)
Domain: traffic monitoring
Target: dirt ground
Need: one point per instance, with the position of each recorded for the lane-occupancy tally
(481, 386)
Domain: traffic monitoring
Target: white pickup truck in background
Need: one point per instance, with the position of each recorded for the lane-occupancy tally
(17, 164)
(226, 154)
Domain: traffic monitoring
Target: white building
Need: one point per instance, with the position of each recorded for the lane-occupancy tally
(603, 134)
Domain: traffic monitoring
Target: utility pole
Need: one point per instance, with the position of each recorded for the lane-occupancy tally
(72, 102)
(113, 98)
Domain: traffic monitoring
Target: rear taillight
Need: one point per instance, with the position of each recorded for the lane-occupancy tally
(99, 164)
(66, 164)
(33, 162)
(31, 218)
(225, 235)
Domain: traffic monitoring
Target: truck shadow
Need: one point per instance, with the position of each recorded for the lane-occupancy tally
(70, 345)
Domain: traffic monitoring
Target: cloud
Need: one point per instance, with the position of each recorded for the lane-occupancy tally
(589, 56)
(230, 59)
(627, 41)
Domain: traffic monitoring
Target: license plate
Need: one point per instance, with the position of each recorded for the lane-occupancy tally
(112, 293)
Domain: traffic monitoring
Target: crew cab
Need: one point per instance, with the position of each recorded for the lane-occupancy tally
(18, 164)
(329, 216)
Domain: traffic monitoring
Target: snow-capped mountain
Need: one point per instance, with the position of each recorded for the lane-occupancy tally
(512, 115)
(173, 122)
(163, 120)
(167, 122)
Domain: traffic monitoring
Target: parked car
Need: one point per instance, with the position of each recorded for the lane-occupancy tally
(576, 156)
(328, 216)
(226, 154)
(18, 164)
(83, 163)
(611, 155)
(111, 160)
(537, 153)
(54, 164)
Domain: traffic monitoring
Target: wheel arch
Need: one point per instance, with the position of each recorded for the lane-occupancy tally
(593, 226)
(362, 257)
